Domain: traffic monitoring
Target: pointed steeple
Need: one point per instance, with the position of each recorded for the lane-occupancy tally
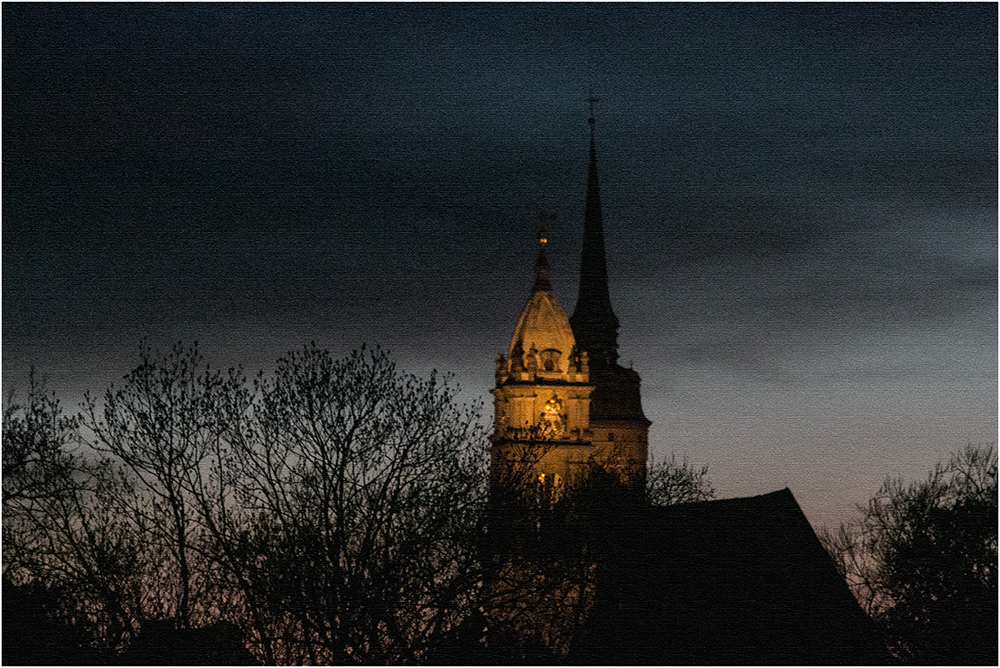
(594, 322)
(543, 327)
(542, 281)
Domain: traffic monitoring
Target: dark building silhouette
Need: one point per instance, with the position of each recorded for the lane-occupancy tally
(161, 643)
(36, 631)
(736, 581)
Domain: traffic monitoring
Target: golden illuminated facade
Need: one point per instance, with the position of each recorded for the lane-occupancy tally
(542, 397)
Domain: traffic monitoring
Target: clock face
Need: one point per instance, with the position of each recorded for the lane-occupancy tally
(553, 422)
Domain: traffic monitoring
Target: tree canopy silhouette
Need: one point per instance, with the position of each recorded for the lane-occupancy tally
(330, 511)
(921, 558)
(361, 489)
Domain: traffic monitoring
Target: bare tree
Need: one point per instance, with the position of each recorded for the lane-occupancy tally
(365, 486)
(669, 482)
(60, 524)
(161, 428)
(334, 512)
(921, 558)
(34, 437)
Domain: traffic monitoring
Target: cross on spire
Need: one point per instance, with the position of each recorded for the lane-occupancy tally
(592, 100)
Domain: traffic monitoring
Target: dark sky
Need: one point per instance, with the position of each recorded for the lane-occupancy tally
(800, 205)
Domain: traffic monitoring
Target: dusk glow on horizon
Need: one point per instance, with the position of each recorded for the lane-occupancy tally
(799, 204)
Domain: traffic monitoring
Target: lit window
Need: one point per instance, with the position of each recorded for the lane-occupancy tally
(549, 489)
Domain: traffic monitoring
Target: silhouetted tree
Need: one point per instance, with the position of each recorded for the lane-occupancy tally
(334, 512)
(162, 428)
(34, 437)
(63, 536)
(669, 482)
(363, 489)
(922, 557)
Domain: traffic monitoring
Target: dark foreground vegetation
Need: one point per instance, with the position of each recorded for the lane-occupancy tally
(337, 511)
(921, 559)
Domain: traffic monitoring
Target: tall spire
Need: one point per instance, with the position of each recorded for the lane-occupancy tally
(594, 322)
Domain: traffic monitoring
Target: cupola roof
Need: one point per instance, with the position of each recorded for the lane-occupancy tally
(543, 324)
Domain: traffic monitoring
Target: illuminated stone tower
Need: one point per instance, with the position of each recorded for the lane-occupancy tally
(542, 448)
(541, 438)
(568, 427)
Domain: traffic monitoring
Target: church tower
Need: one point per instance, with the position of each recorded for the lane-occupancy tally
(563, 406)
(619, 427)
(568, 425)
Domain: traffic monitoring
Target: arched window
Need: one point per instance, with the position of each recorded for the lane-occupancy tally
(611, 435)
(549, 359)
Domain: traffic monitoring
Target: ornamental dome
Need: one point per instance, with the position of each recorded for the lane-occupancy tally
(543, 326)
